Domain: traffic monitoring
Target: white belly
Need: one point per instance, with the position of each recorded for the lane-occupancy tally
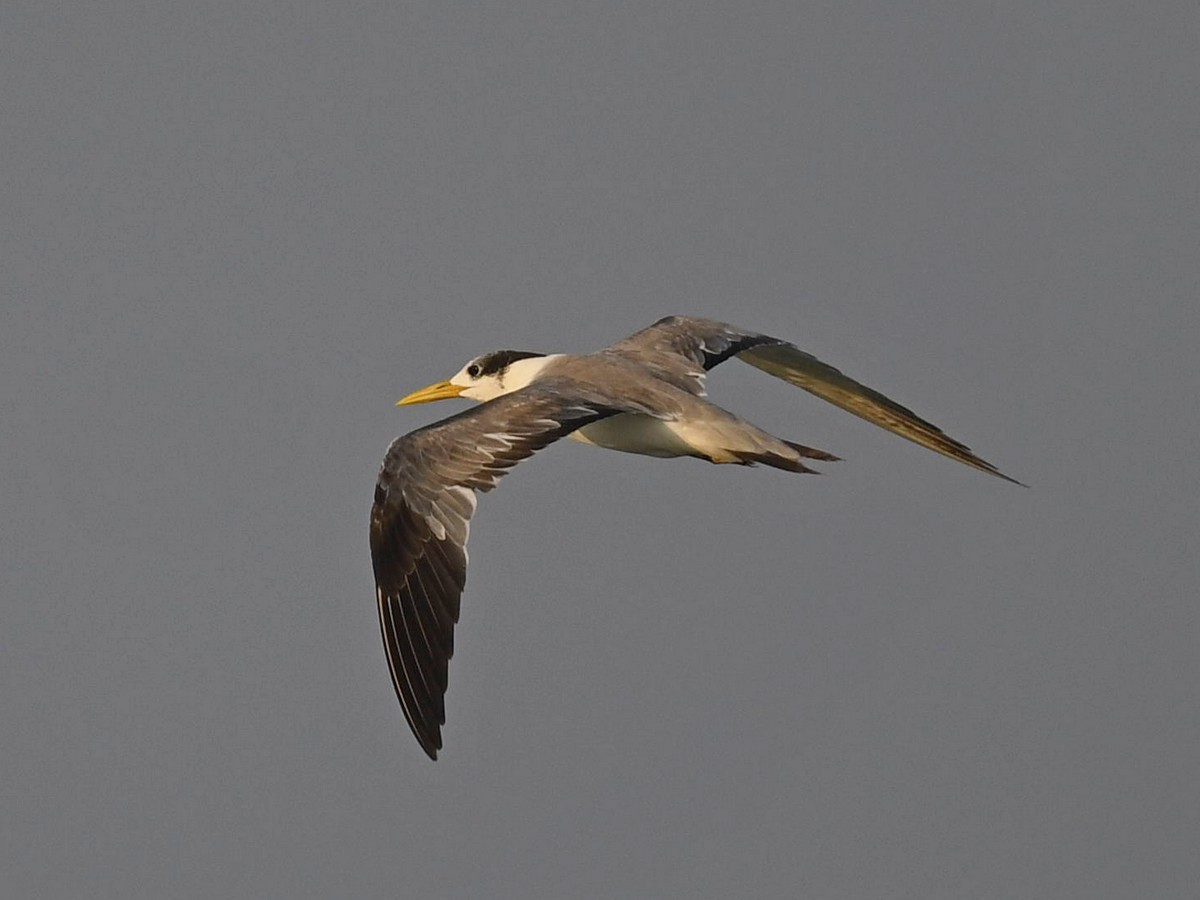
(632, 433)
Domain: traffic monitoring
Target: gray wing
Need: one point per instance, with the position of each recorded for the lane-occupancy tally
(683, 349)
(424, 499)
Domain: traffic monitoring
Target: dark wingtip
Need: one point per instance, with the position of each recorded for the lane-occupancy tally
(431, 742)
(1009, 480)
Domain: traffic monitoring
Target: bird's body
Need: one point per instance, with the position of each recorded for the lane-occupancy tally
(682, 422)
(644, 394)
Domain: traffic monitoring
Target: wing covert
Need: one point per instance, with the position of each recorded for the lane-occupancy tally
(681, 349)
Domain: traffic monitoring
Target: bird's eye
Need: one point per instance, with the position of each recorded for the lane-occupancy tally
(473, 370)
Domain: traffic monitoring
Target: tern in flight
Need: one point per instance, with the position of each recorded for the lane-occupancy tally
(644, 394)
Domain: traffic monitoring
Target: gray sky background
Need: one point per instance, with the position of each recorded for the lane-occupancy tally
(234, 234)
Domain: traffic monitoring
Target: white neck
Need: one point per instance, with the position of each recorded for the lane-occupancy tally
(524, 372)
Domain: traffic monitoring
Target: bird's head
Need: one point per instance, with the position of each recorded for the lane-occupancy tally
(484, 378)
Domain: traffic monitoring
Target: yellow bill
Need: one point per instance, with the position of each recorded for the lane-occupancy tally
(443, 390)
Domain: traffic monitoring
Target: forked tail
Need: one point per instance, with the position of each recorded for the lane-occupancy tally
(786, 462)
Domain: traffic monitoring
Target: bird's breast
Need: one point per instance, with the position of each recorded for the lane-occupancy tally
(634, 433)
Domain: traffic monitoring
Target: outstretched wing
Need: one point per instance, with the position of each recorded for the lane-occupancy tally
(424, 499)
(683, 349)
